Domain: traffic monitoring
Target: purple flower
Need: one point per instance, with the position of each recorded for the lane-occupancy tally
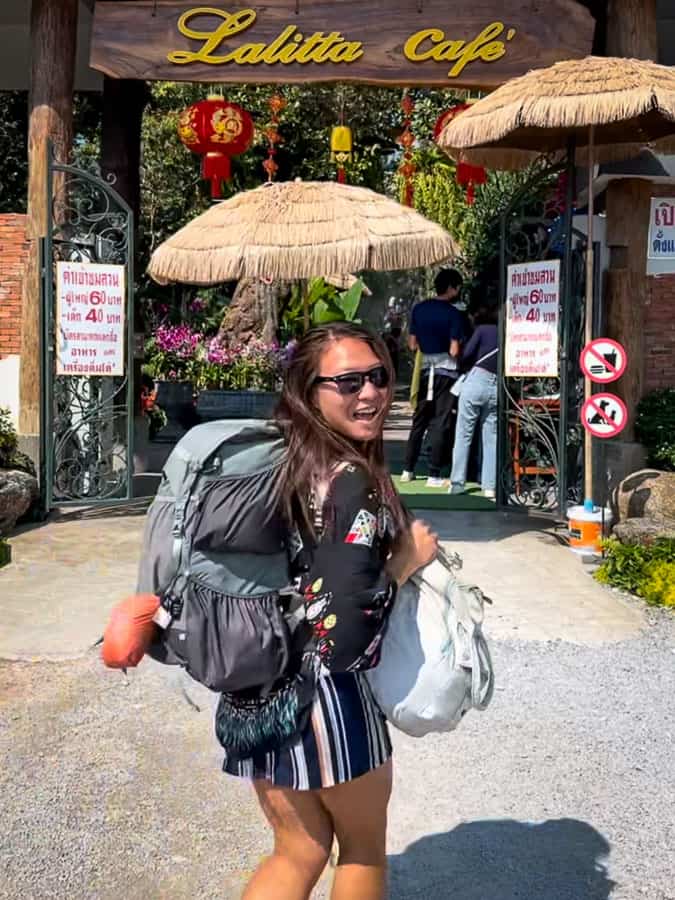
(197, 305)
(178, 339)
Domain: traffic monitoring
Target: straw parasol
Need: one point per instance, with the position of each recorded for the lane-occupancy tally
(628, 102)
(604, 108)
(299, 230)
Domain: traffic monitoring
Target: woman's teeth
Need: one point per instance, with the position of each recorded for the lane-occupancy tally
(365, 414)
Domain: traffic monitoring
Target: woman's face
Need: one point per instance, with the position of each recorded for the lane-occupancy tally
(358, 416)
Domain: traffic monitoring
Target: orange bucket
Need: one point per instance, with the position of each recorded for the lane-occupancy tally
(587, 528)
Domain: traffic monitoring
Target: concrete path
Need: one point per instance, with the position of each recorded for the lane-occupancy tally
(65, 576)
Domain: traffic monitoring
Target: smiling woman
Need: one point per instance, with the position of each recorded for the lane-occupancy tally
(352, 548)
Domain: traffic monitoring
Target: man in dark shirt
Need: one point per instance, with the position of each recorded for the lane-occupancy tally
(438, 329)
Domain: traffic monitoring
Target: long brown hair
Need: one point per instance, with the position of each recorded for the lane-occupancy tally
(313, 447)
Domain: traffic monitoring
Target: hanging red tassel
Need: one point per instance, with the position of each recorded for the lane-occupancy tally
(406, 139)
(469, 176)
(277, 104)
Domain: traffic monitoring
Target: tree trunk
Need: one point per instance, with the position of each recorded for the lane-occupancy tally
(53, 38)
(253, 313)
(631, 29)
(123, 104)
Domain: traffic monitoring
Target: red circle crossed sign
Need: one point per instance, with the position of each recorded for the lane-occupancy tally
(604, 415)
(603, 360)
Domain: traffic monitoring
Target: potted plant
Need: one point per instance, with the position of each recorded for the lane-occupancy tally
(239, 382)
(172, 360)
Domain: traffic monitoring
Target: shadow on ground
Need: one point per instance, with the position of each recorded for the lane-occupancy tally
(561, 859)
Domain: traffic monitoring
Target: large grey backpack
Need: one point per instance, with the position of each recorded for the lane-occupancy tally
(215, 553)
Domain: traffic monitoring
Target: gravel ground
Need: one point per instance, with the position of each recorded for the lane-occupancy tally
(563, 790)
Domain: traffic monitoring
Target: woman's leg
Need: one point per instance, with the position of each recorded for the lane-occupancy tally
(467, 416)
(358, 810)
(488, 478)
(303, 837)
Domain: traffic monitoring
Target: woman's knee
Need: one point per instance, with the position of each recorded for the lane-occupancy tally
(303, 830)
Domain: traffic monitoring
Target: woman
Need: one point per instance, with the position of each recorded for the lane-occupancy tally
(478, 403)
(355, 548)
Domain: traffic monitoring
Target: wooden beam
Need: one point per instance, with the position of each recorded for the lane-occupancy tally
(53, 38)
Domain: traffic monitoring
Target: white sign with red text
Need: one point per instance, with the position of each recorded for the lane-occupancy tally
(532, 317)
(90, 319)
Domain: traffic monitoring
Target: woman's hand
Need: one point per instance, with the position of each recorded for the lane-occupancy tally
(415, 549)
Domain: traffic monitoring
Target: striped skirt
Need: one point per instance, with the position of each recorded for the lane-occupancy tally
(346, 737)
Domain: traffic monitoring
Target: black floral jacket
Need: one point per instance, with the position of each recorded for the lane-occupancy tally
(348, 594)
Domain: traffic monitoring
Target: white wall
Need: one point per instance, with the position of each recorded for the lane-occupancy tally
(9, 385)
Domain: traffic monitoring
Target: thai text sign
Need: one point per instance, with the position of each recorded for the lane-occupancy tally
(532, 316)
(662, 228)
(90, 312)
(382, 41)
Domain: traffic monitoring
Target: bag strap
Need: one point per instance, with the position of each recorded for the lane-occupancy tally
(485, 356)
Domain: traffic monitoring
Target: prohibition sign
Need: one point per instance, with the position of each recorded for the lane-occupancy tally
(604, 415)
(603, 360)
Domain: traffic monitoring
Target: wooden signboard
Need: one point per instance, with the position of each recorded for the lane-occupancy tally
(473, 43)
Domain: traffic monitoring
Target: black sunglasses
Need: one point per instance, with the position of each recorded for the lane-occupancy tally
(352, 382)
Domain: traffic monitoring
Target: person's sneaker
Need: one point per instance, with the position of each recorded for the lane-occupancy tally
(407, 476)
(457, 489)
(489, 495)
(435, 482)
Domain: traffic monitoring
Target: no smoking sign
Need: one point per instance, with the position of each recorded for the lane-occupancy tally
(604, 415)
(603, 360)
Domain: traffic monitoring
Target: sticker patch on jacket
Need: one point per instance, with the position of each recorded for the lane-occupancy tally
(363, 529)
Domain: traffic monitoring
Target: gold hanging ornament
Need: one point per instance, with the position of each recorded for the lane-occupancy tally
(406, 139)
(341, 150)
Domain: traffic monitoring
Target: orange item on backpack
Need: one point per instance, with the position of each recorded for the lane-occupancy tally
(130, 631)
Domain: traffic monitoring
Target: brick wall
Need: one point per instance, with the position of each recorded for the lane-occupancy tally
(13, 252)
(659, 333)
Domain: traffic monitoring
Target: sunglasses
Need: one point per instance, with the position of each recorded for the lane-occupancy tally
(352, 382)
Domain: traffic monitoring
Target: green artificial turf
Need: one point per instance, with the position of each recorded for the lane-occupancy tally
(418, 496)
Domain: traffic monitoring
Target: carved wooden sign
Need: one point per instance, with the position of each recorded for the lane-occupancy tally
(475, 43)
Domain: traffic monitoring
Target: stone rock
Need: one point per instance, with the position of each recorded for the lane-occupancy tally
(644, 531)
(18, 492)
(647, 494)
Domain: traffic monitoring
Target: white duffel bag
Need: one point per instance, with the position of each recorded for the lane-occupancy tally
(435, 662)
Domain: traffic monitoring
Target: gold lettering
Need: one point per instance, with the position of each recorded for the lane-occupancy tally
(305, 53)
(247, 53)
(481, 45)
(411, 47)
(233, 23)
(291, 45)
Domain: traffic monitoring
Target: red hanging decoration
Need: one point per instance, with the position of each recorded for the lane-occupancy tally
(277, 104)
(406, 139)
(217, 130)
(468, 176)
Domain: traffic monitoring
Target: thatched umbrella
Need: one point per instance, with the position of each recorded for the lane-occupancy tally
(605, 108)
(299, 229)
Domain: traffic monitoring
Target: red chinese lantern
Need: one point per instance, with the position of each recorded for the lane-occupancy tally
(467, 175)
(218, 130)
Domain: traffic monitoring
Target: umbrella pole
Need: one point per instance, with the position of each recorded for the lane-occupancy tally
(588, 323)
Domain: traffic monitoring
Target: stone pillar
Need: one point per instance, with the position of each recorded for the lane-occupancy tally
(53, 39)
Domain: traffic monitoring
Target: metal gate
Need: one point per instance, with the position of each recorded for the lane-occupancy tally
(87, 420)
(540, 438)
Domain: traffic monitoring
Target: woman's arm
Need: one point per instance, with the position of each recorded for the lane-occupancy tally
(349, 592)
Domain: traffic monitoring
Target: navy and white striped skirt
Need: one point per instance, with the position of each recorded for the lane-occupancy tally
(345, 737)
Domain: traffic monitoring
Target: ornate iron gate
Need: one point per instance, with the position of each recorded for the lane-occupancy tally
(86, 419)
(540, 438)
